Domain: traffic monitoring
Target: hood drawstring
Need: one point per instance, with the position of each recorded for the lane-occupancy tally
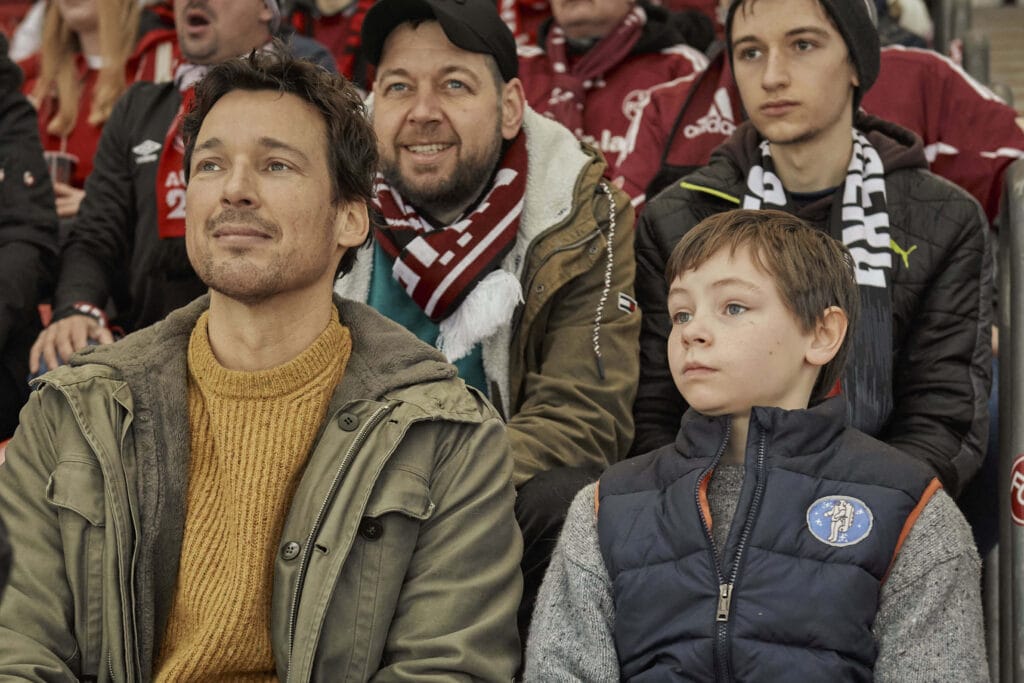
(607, 278)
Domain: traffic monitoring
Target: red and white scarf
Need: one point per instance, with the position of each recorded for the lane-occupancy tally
(440, 267)
(565, 102)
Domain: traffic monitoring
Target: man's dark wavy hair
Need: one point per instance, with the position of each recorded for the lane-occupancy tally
(351, 142)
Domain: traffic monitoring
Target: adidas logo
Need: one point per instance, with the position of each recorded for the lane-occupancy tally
(719, 118)
(146, 151)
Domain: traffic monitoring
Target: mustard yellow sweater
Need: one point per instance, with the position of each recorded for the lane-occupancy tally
(251, 433)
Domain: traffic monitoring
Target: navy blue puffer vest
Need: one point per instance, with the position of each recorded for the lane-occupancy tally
(780, 602)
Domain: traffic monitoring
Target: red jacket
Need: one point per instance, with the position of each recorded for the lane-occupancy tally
(611, 109)
(970, 136)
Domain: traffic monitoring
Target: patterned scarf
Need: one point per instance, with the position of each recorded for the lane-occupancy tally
(440, 267)
(861, 222)
(565, 102)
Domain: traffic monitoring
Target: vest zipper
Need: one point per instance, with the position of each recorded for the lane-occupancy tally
(339, 474)
(725, 589)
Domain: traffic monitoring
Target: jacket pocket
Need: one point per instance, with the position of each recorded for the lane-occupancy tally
(371, 581)
(400, 490)
(76, 489)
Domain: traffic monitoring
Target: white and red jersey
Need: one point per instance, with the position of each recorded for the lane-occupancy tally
(613, 102)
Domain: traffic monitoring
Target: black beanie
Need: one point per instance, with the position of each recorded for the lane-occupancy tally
(856, 21)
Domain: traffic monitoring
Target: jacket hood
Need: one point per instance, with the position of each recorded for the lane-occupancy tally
(385, 356)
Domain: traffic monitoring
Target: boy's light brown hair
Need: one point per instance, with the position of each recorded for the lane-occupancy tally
(812, 271)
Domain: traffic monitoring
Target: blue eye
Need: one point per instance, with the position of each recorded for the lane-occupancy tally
(681, 317)
(207, 166)
(278, 166)
(735, 309)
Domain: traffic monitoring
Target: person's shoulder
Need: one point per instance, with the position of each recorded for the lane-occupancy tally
(939, 534)
(942, 201)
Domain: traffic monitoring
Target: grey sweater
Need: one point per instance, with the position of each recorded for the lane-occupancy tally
(928, 627)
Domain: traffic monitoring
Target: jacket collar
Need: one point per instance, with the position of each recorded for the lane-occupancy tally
(792, 432)
(385, 356)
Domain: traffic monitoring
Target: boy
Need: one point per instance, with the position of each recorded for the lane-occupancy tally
(765, 543)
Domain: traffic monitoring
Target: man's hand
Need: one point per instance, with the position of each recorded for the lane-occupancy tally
(62, 338)
(68, 199)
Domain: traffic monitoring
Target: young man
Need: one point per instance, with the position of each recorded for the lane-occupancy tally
(126, 245)
(919, 373)
(270, 484)
(770, 541)
(501, 243)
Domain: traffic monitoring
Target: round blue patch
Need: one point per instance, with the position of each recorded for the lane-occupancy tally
(839, 520)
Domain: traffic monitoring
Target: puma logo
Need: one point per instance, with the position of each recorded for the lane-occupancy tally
(904, 254)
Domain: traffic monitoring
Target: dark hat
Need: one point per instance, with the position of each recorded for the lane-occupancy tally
(473, 25)
(856, 21)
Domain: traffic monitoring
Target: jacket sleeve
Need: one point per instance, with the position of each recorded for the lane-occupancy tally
(571, 636)
(28, 219)
(101, 237)
(36, 640)
(929, 625)
(456, 613)
(942, 371)
(570, 416)
(659, 407)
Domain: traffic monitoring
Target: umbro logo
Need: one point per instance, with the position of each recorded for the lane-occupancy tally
(146, 151)
(719, 118)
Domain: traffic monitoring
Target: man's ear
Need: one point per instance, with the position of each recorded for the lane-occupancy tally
(513, 104)
(352, 224)
(827, 337)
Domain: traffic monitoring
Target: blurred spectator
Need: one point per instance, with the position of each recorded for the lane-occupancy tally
(158, 34)
(74, 81)
(524, 17)
(126, 244)
(598, 62)
(28, 237)
(335, 24)
(970, 135)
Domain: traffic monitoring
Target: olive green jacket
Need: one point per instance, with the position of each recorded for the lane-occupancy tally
(407, 562)
(564, 371)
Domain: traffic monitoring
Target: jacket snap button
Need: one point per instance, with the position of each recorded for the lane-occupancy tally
(371, 529)
(290, 550)
(348, 421)
(539, 288)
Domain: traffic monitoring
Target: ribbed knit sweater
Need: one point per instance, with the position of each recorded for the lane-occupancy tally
(250, 437)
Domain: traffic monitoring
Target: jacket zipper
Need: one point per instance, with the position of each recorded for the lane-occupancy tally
(361, 437)
(722, 667)
(723, 595)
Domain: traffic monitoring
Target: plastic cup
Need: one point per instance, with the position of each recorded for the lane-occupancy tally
(61, 166)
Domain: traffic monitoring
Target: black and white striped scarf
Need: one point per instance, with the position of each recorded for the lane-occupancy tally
(861, 222)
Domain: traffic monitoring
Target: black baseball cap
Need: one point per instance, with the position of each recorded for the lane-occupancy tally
(472, 25)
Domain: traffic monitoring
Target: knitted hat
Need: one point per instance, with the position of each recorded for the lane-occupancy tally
(856, 21)
(472, 25)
